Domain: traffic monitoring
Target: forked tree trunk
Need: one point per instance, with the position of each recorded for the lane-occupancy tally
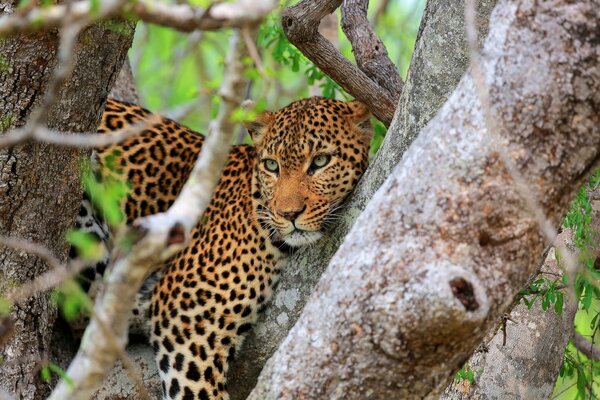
(39, 185)
(444, 245)
(439, 60)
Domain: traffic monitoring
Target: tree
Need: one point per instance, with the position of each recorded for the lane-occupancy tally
(407, 312)
(39, 193)
(464, 289)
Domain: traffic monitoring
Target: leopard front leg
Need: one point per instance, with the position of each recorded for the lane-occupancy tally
(199, 317)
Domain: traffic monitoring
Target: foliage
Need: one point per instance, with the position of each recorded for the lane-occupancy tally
(468, 374)
(49, 368)
(580, 376)
(177, 71)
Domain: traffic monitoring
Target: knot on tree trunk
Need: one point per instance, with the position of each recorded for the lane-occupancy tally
(451, 295)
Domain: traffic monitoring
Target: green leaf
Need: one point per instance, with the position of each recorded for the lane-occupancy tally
(45, 373)
(60, 372)
(71, 300)
(558, 305)
(586, 301)
(593, 322)
(87, 244)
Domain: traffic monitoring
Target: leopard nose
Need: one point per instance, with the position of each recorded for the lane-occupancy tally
(291, 215)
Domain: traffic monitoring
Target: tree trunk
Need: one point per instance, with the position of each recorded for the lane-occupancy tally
(124, 88)
(39, 186)
(443, 247)
(521, 360)
(439, 60)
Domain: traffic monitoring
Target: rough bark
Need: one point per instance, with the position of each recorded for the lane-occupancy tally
(328, 27)
(442, 248)
(124, 88)
(439, 60)
(39, 189)
(301, 23)
(369, 51)
(522, 360)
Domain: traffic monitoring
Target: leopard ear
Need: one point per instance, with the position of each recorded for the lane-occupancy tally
(359, 115)
(258, 126)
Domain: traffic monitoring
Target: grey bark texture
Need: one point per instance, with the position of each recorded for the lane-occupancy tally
(522, 361)
(300, 24)
(39, 186)
(443, 247)
(439, 60)
(124, 88)
(369, 51)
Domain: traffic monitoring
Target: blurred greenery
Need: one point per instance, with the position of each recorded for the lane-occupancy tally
(579, 376)
(176, 71)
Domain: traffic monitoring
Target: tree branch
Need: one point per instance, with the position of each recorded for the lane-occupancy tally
(124, 88)
(41, 133)
(369, 51)
(159, 237)
(524, 355)
(301, 26)
(182, 17)
(586, 347)
(442, 37)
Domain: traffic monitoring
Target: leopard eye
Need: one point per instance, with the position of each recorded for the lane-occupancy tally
(271, 165)
(319, 162)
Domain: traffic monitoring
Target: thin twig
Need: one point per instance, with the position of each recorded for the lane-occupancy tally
(58, 274)
(182, 17)
(132, 373)
(586, 347)
(82, 140)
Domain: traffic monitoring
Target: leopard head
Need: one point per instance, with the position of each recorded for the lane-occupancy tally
(310, 155)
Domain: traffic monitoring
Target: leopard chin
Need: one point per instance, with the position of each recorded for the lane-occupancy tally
(299, 238)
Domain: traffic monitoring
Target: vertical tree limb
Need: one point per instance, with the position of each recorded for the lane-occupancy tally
(39, 192)
(369, 51)
(124, 88)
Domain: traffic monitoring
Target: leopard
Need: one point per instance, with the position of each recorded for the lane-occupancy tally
(274, 196)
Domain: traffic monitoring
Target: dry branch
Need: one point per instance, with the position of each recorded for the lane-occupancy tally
(159, 237)
(41, 133)
(585, 346)
(301, 26)
(186, 18)
(443, 247)
(182, 17)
